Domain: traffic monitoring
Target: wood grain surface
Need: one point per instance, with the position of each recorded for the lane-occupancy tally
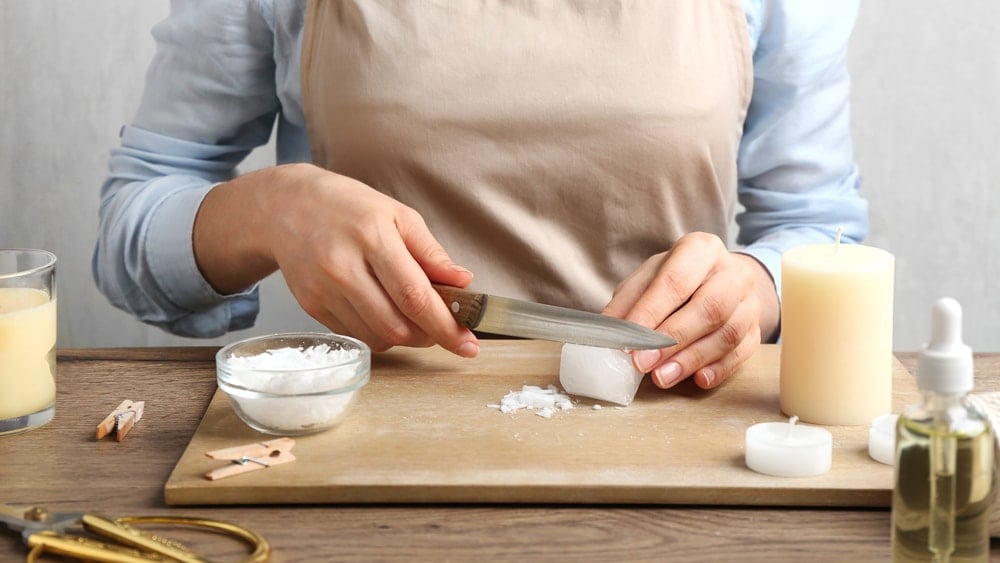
(421, 431)
(62, 467)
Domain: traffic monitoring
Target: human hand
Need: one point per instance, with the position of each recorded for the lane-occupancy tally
(362, 263)
(355, 259)
(715, 303)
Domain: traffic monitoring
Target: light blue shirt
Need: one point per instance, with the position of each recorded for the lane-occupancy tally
(226, 70)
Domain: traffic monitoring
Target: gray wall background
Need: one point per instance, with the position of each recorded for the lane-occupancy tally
(926, 121)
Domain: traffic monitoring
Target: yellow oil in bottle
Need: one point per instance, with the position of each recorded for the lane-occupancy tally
(944, 486)
(941, 508)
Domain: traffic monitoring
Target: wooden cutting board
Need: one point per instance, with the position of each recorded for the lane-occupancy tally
(421, 432)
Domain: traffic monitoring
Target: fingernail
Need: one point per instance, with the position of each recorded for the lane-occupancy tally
(468, 350)
(708, 376)
(667, 375)
(644, 360)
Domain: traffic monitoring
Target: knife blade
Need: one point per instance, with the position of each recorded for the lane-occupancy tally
(524, 319)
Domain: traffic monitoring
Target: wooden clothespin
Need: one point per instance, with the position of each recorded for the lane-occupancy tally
(121, 420)
(251, 457)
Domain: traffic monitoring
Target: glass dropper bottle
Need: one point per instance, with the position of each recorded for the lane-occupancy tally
(944, 476)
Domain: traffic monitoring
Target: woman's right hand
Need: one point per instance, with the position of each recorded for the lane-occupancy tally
(356, 260)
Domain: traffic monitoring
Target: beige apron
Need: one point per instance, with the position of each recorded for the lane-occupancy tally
(551, 145)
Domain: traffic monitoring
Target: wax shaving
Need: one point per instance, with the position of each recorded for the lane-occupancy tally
(531, 397)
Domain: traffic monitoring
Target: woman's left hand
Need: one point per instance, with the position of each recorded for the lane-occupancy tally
(718, 305)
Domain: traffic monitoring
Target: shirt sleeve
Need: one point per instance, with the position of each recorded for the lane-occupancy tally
(209, 100)
(798, 182)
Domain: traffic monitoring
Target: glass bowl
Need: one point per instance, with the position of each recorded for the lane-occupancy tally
(292, 384)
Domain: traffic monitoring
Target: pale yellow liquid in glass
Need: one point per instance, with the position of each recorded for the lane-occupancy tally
(27, 351)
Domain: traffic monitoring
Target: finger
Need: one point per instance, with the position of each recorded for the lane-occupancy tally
(409, 289)
(371, 310)
(383, 331)
(347, 295)
(708, 310)
(715, 373)
(428, 252)
(709, 349)
(345, 316)
(686, 266)
(338, 315)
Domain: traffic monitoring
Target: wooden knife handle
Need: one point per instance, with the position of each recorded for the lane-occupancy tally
(465, 306)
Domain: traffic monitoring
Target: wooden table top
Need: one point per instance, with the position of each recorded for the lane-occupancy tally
(62, 467)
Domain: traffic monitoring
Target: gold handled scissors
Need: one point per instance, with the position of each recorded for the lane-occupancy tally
(76, 535)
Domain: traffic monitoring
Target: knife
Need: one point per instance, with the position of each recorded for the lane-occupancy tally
(513, 317)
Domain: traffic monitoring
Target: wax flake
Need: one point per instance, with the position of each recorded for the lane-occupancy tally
(532, 397)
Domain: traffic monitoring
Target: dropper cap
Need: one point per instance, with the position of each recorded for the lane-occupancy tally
(945, 362)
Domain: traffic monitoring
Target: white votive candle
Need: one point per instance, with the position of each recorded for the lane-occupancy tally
(882, 439)
(787, 449)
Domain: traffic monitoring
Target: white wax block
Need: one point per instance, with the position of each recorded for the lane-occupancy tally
(599, 373)
(882, 439)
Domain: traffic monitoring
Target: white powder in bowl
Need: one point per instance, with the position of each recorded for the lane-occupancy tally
(264, 388)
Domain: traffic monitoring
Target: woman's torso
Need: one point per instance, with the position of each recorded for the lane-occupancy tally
(551, 146)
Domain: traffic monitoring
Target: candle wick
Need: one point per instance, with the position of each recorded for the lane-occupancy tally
(791, 425)
(836, 246)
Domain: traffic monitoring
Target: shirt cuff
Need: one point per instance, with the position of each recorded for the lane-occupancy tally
(170, 252)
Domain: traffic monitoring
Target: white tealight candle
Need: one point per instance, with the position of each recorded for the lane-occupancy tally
(882, 439)
(785, 449)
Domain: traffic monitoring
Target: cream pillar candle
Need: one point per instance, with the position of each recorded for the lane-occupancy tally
(836, 332)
